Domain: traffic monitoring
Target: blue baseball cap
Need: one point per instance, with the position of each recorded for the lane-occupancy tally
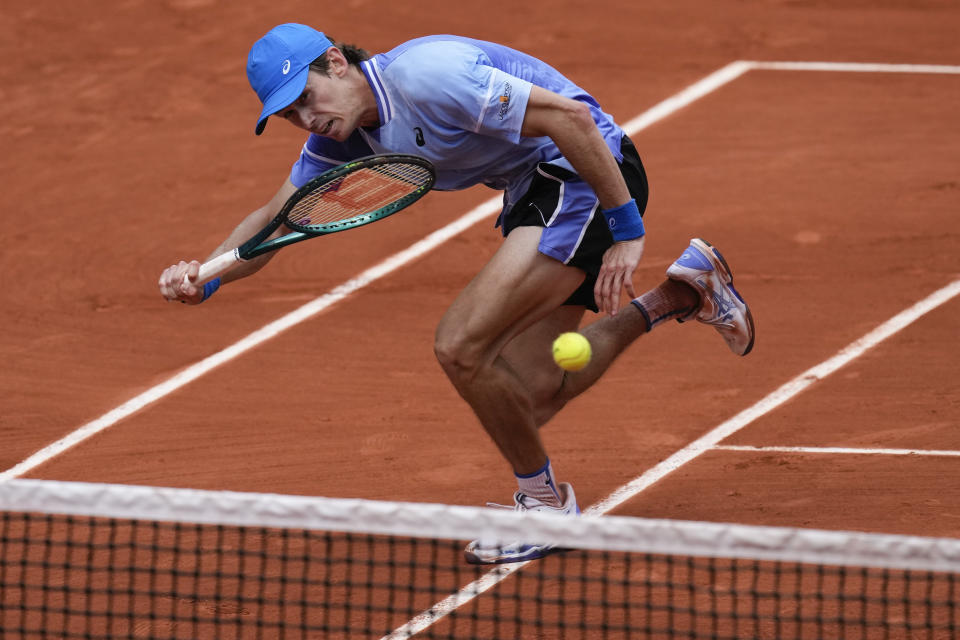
(278, 65)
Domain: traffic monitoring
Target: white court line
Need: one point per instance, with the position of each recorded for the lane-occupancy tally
(844, 450)
(698, 447)
(687, 96)
(787, 391)
(861, 67)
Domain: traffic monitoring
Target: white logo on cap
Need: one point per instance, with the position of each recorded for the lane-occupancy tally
(286, 67)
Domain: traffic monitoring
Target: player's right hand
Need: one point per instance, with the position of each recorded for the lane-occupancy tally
(616, 274)
(179, 282)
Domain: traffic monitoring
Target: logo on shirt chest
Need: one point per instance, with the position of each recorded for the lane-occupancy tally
(420, 140)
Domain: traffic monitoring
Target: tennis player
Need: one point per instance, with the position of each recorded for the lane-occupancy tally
(574, 194)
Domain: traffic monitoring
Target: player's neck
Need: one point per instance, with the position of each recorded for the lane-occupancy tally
(370, 116)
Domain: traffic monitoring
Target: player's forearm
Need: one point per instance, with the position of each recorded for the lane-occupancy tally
(247, 268)
(247, 228)
(587, 151)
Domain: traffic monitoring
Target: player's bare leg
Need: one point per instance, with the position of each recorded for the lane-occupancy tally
(529, 354)
(494, 342)
(699, 286)
(516, 289)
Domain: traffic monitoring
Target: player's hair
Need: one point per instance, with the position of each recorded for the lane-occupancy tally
(354, 55)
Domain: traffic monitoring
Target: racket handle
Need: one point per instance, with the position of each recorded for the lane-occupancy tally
(220, 264)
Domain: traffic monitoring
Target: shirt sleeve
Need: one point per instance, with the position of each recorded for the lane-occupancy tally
(320, 154)
(457, 86)
(504, 105)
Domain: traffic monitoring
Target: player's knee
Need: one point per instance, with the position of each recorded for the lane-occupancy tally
(458, 357)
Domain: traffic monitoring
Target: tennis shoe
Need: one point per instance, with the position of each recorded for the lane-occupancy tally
(496, 552)
(702, 267)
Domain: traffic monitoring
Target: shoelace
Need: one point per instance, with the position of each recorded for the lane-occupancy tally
(518, 504)
(497, 505)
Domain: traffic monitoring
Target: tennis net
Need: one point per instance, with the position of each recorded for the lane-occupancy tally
(84, 560)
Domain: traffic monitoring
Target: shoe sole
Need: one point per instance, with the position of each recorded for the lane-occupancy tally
(709, 249)
(472, 558)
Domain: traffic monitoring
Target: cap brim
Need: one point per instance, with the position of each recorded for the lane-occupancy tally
(285, 95)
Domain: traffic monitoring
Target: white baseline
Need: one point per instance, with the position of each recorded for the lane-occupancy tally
(854, 451)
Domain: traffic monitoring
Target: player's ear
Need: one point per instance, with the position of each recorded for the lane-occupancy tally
(337, 61)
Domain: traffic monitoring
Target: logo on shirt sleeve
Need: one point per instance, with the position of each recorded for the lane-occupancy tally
(505, 100)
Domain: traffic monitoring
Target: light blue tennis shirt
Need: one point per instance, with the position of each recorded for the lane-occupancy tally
(459, 103)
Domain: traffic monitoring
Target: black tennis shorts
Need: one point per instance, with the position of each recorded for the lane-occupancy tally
(575, 232)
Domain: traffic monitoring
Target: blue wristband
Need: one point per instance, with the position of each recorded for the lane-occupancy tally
(210, 288)
(625, 222)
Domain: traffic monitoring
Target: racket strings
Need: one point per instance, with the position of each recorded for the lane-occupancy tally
(360, 193)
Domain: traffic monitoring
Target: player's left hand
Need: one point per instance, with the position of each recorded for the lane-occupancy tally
(616, 274)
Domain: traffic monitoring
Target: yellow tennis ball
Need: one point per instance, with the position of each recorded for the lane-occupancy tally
(571, 351)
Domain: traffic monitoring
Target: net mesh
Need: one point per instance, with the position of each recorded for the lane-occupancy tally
(187, 564)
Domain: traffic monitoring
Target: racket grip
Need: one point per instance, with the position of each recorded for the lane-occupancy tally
(220, 264)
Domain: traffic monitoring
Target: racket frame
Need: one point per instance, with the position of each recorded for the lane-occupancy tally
(258, 244)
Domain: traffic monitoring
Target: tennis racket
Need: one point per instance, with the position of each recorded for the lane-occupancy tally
(345, 197)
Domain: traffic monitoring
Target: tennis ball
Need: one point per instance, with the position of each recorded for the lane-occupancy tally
(571, 351)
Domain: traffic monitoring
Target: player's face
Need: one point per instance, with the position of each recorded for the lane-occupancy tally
(329, 106)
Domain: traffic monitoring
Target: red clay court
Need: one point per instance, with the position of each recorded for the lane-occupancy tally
(815, 143)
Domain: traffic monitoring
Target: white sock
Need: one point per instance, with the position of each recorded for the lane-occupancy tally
(541, 486)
